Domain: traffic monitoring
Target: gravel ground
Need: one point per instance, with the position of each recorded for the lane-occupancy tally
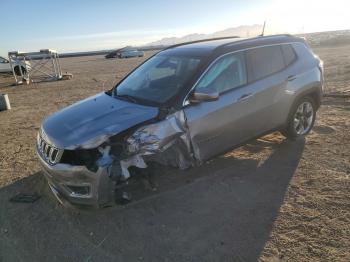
(270, 200)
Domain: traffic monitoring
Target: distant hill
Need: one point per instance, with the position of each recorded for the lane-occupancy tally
(330, 38)
(241, 31)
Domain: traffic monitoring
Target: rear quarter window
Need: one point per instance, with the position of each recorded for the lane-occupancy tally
(264, 61)
(288, 54)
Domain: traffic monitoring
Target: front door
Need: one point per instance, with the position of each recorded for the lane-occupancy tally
(216, 126)
(4, 65)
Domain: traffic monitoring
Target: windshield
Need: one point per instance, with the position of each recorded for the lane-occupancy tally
(158, 79)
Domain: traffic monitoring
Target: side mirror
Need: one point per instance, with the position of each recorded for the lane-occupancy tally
(204, 95)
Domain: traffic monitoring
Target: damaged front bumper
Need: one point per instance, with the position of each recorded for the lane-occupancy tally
(166, 142)
(79, 185)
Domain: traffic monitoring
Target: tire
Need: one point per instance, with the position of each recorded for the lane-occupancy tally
(18, 72)
(301, 119)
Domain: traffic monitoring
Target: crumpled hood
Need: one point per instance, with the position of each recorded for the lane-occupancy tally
(93, 119)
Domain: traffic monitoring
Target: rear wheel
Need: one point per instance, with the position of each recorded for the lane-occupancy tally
(302, 119)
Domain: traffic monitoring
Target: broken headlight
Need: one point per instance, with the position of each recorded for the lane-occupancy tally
(82, 157)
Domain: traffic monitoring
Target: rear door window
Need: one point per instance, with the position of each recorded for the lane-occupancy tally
(227, 73)
(264, 61)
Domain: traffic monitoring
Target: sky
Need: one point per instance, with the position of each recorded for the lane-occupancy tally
(84, 25)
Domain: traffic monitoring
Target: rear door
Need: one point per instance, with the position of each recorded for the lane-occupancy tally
(268, 75)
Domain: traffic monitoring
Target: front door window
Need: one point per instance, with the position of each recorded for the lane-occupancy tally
(227, 73)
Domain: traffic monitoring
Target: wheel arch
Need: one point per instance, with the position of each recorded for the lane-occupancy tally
(314, 93)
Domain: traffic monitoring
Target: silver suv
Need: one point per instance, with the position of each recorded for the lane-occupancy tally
(181, 107)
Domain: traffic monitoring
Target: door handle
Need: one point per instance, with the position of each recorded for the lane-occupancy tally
(291, 78)
(245, 97)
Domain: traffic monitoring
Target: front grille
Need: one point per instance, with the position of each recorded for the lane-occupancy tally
(51, 154)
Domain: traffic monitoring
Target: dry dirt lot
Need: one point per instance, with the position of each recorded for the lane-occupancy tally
(270, 200)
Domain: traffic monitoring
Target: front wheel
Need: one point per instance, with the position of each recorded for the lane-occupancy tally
(18, 71)
(302, 119)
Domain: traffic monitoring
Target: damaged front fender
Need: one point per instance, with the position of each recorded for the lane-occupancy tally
(166, 142)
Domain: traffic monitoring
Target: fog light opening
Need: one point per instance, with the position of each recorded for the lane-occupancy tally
(79, 190)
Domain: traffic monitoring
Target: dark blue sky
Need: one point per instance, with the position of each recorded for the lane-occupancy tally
(79, 25)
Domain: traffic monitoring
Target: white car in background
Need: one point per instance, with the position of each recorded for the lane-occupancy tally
(125, 52)
(5, 66)
(131, 53)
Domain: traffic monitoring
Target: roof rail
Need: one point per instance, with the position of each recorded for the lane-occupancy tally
(274, 35)
(253, 38)
(225, 37)
(202, 40)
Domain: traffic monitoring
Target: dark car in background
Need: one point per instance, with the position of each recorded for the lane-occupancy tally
(183, 106)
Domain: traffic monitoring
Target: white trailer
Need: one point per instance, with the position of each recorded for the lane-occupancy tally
(36, 66)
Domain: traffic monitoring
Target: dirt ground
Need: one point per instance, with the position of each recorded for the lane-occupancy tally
(270, 200)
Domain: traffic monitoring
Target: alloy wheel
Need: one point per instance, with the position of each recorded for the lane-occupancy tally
(303, 118)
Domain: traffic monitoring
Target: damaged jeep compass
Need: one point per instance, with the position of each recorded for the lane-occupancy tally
(182, 106)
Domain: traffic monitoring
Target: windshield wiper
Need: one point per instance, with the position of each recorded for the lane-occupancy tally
(127, 98)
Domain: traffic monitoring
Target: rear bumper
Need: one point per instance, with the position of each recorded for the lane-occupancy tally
(78, 185)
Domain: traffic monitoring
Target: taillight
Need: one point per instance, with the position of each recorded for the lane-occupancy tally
(320, 65)
(321, 68)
